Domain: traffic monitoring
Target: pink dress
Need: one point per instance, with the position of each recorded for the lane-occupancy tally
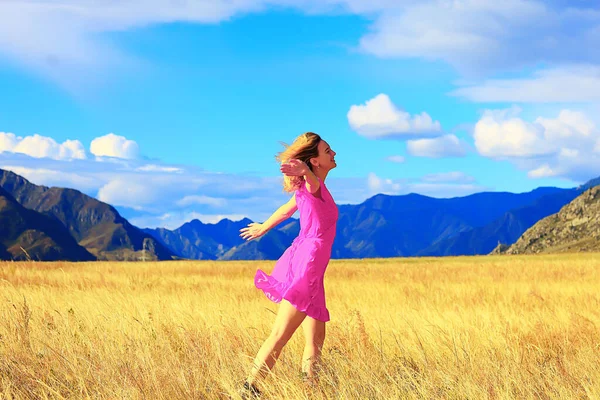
(299, 272)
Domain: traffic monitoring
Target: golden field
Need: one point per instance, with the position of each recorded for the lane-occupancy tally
(525, 327)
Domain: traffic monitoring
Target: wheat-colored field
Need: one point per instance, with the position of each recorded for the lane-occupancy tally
(453, 328)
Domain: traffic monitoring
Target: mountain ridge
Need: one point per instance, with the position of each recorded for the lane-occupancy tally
(575, 227)
(95, 225)
(26, 234)
(381, 226)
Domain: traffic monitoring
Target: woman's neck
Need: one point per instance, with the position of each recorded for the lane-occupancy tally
(321, 174)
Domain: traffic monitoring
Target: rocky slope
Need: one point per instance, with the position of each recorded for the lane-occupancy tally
(26, 234)
(575, 228)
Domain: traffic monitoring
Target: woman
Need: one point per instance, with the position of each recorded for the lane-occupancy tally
(297, 278)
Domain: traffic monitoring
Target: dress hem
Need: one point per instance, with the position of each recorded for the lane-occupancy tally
(276, 291)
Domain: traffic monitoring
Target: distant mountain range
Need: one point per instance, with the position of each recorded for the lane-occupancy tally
(56, 223)
(505, 229)
(70, 215)
(386, 226)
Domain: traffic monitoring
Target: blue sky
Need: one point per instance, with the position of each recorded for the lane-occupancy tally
(174, 110)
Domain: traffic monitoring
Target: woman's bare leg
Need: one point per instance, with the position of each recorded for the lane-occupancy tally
(314, 335)
(287, 321)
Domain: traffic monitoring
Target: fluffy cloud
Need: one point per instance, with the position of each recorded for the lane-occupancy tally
(63, 38)
(547, 147)
(543, 171)
(41, 146)
(146, 194)
(396, 159)
(8, 141)
(380, 118)
(435, 185)
(499, 135)
(502, 134)
(444, 146)
(158, 168)
(476, 35)
(112, 145)
(173, 220)
(199, 199)
(56, 177)
(38, 146)
(453, 176)
(128, 193)
(381, 185)
(579, 83)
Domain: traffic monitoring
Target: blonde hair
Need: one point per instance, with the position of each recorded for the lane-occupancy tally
(303, 148)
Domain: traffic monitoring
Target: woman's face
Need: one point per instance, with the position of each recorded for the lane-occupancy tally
(326, 158)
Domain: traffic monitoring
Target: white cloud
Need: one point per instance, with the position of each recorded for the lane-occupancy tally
(570, 125)
(443, 185)
(578, 83)
(214, 218)
(128, 193)
(547, 147)
(499, 135)
(453, 176)
(63, 38)
(8, 141)
(374, 183)
(444, 146)
(382, 185)
(199, 199)
(55, 177)
(109, 145)
(138, 191)
(480, 35)
(71, 149)
(41, 146)
(543, 171)
(158, 168)
(446, 190)
(380, 118)
(112, 145)
(396, 159)
(175, 220)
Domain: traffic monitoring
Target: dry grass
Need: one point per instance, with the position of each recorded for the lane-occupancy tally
(452, 328)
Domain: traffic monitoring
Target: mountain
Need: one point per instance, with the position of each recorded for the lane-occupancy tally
(381, 226)
(95, 225)
(222, 241)
(27, 234)
(268, 247)
(384, 226)
(200, 241)
(590, 184)
(506, 229)
(575, 228)
(391, 226)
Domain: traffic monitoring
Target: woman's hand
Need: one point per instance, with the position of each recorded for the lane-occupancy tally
(252, 231)
(294, 168)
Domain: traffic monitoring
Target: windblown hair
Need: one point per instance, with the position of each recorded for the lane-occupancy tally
(303, 148)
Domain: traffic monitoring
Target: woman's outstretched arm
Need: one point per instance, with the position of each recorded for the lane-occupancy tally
(299, 168)
(255, 230)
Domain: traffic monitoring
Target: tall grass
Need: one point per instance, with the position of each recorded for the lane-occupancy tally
(443, 328)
